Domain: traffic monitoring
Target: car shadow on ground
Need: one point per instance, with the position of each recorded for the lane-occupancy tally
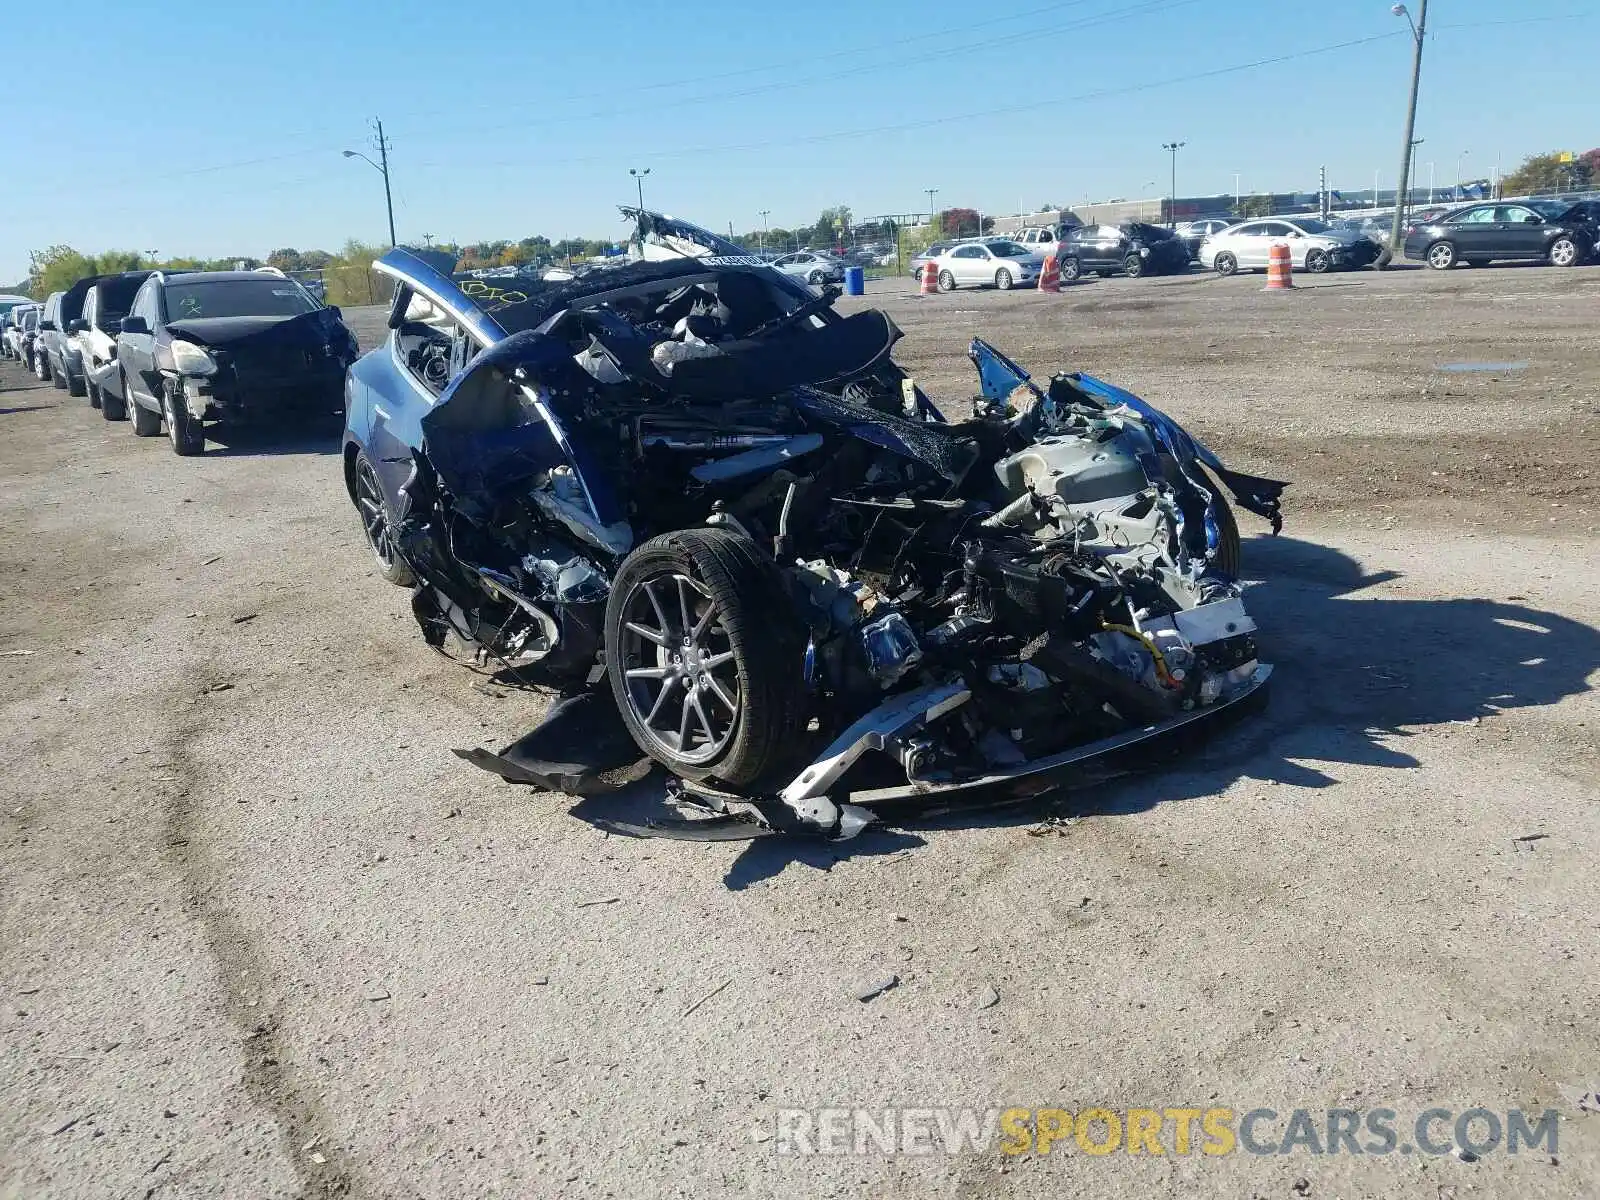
(263, 441)
(1356, 677)
(22, 408)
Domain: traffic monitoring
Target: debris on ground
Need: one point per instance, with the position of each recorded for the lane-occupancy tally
(876, 987)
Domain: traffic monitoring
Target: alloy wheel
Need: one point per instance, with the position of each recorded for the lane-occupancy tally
(374, 514)
(680, 676)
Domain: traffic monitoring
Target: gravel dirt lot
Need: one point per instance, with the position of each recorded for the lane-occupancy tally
(262, 935)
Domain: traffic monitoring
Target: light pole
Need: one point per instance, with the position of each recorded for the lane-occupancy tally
(1375, 175)
(382, 167)
(1172, 148)
(1430, 181)
(1419, 34)
(765, 212)
(1461, 179)
(1410, 187)
(638, 178)
(1238, 198)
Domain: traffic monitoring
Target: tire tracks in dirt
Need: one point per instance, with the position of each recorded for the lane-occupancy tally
(309, 1140)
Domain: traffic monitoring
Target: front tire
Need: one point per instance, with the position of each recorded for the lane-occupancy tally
(377, 524)
(1225, 265)
(41, 366)
(1133, 266)
(707, 659)
(185, 431)
(58, 377)
(1071, 269)
(1441, 256)
(947, 281)
(90, 390)
(1319, 262)
(1003, 280)
(1564, 252)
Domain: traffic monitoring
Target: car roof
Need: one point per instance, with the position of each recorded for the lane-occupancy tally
(225, 276)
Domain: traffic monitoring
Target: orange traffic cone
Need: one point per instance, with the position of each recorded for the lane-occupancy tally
(1050, 275)
(930, 278)
(1280, 269)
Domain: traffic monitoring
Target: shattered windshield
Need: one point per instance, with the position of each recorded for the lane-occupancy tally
(236, 298)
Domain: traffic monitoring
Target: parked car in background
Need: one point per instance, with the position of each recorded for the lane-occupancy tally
(998, 263)
(918, 261)
(1531, 231)
(60, 344)
(1194, 233)
(1313, 246)
(228, 346)
(1042, 240)
(1133, 249)
(7, 304)
(816, 267)
(11, 329)
(1376, 229)
(28, 330)
(106, 303)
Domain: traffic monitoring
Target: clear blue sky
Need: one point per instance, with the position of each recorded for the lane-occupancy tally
(217, 130)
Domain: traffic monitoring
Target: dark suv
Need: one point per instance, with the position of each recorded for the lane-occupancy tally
(1134, 249)
(228, 346)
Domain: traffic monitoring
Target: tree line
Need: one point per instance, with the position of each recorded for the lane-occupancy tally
(348, 277)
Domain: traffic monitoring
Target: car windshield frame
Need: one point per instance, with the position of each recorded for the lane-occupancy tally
(1009, 249)
(1312, 226)
(182, 299)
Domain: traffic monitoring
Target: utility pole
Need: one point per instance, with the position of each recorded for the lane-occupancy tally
(765, 212)
(1419, 33)
(1172, 148)
(382, 167)
(383, 158)
(932, 192)
(1322, 191)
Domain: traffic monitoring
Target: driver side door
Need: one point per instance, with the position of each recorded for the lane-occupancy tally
(969, 264)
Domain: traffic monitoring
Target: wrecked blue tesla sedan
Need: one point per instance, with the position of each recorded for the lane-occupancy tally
(735, 537)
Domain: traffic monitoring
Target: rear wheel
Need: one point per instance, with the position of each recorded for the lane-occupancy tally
(1225, 265)
(91, 391)
(1003, 280)
(41, 366)
(146, 422)
(816, 279)
(706, 658)
(1564, 252)
(947, 281)
(58, 377)
(113, 408)
(1441, 256)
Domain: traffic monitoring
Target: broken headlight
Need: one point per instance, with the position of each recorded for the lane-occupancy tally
(189, 359)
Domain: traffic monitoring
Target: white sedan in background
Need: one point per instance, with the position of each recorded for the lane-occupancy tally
(1313, 246)
(997, 263)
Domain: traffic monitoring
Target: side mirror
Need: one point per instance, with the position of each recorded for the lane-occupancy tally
(133, 325)
(336, 311)
(49, 325)
(77, 325)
